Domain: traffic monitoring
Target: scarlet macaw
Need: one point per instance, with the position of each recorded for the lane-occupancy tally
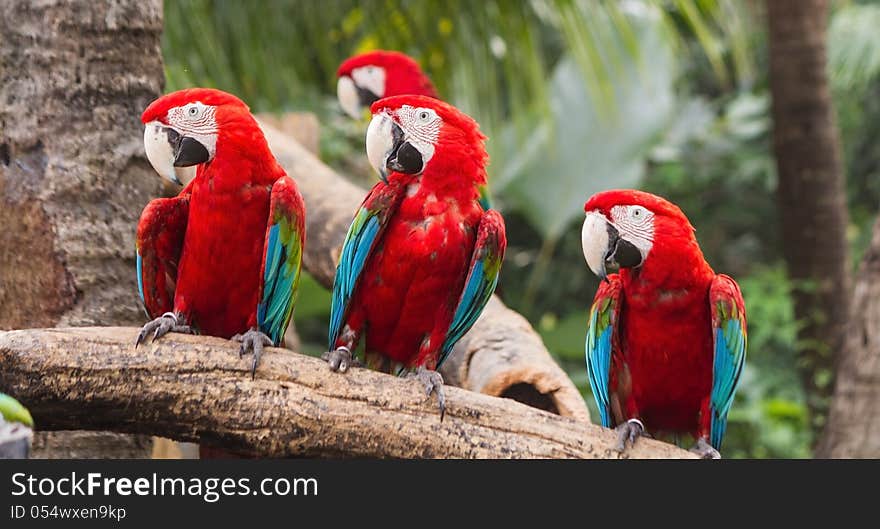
(421, 258)
(667, 335)
(368, 77)
(224, 256)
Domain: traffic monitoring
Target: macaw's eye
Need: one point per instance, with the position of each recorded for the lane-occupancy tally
(193, 111)
(638, 212)
(423, 115)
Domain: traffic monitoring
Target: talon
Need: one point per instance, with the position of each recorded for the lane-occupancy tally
(433, 383)
(706, 451)
(168, 322)
(253, 340)
(339, 360)
(628, 432)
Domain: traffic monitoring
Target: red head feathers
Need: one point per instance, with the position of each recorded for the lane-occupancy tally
(158, 109)
(185, 128)
(414, 134)
(606, 200)
(370, 76)
(633, 227)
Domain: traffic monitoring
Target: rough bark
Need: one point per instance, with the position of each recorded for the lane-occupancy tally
(502, 355)
(811, 194)
(75, 76)
(15, 440)
(853, 428)
(95, 378)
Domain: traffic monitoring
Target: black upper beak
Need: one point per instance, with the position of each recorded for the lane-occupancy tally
(620, 252)
(187, 151)
(366, 97)
(403, 158)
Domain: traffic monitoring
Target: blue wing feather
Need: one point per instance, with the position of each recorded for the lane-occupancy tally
(600, 344)
(729, 327)
(482, 279)
(283, 260)
(140, 274)
(364, 232)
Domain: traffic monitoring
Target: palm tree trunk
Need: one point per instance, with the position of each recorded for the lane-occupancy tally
(811, 194)
(854, 419)
(73, 176)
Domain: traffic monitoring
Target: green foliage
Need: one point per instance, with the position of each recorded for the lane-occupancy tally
(579, 151)
(854, 65)
(312, 315)
(12, 411)
(854, 46)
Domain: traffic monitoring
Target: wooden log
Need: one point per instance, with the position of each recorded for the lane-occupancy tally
(502, 355)
(94, 378)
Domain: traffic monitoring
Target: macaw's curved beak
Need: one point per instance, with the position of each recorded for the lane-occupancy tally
(167, 150)
(388, 150)
(603, 245)
(355, 100)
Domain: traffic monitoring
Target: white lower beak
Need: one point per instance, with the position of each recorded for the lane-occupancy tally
(380, 143)
(159, 151)
(348, 97)
(594, 239)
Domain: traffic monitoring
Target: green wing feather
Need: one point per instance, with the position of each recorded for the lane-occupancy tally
(282, 260)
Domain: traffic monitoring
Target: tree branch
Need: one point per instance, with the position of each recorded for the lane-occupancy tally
(501, 355)
(94, 378)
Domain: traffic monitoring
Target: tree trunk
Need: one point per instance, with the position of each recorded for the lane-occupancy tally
(854, 419)
(75, 76)
(295, 406)
(811, 194)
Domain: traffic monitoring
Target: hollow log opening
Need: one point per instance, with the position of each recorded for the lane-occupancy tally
(530, 396)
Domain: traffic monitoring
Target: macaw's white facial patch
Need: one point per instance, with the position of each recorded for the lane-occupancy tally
(636, 225)
(370, 78)
(347, 94)
(421, 128)
(197, 121)
(380, 142)
(594, 241)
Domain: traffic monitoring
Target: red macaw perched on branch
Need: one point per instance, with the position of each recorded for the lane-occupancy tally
(368, 77)
(422, 257)
(223, 256)
(667, 336)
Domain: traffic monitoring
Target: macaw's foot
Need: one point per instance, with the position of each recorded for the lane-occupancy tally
(340, 359)
(705, 450)
(252, 341)
(168, 322)
(433, 383)
(628, 433)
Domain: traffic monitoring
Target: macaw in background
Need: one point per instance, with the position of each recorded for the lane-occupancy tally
(421, 258)
(666, 341)
(224, 256)
(16, 426)
(368, 77)
(365, 78)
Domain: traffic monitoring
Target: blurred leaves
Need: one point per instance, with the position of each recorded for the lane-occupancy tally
(854, 46)
(566, 159)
